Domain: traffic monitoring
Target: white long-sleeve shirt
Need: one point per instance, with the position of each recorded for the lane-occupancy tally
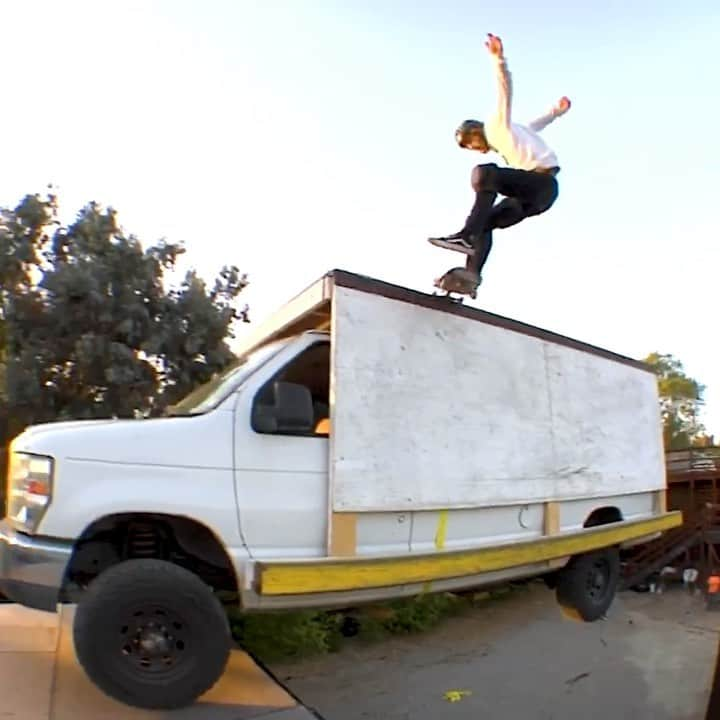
(519, 145)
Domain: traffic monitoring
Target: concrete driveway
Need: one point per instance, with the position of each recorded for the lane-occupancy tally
(41, 680)
(652, 659)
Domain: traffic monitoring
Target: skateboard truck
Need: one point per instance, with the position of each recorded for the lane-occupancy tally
(454, 281)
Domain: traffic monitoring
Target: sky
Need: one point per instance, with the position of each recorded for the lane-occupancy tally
(293, 137)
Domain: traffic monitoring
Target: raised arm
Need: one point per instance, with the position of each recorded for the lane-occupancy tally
(562, 106)
(504, 79)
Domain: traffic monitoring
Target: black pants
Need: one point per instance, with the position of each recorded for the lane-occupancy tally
(526, 194)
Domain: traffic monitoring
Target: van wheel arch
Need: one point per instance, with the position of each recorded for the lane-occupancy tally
(180, 540)
(603, 516)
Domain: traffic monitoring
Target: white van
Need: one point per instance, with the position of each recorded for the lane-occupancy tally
(372, 442)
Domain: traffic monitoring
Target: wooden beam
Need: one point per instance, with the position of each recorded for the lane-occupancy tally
(306, 311)
(321, 575)
(551, 524)
(343, 535)
(660, 502)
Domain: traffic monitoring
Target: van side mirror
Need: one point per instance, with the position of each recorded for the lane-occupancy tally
(291, 411)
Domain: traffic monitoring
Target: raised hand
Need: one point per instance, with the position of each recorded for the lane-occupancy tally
(562, 106)
(494, 45)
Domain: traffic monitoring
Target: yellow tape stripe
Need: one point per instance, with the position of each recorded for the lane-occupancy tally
(441, 532)
(318, 576)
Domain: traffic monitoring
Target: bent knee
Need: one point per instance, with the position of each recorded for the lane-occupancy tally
(544, 202)
(484, 177)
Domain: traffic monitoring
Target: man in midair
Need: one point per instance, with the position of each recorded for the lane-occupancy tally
(528, 183)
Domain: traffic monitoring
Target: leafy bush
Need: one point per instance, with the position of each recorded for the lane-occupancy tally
(288, 635)
(420, 613)
(296, 635)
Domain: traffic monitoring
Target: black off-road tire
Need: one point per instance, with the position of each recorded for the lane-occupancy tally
(588, 583)
(151, 634)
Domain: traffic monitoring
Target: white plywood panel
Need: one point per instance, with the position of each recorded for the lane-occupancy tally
(606, 424)
(432, 410)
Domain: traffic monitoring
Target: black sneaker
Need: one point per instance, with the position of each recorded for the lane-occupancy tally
(452, 242)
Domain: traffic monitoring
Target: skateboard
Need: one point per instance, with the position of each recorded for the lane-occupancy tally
(452, 282)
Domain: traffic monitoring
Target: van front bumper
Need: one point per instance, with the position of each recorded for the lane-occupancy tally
(32, 569)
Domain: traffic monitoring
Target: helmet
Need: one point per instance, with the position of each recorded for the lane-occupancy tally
(462, 134)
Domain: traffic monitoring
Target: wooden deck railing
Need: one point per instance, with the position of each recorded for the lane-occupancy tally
(692, 463)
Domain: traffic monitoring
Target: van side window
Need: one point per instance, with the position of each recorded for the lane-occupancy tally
(296, 401)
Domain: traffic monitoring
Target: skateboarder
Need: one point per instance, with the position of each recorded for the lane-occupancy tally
(528, 184)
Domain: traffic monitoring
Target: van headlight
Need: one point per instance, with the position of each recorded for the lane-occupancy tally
(29, 489)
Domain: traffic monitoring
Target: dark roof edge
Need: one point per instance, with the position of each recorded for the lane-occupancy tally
(343, 278)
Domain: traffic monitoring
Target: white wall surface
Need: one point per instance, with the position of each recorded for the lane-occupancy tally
(432, 410)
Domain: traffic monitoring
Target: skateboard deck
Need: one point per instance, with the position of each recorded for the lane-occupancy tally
(451, 282)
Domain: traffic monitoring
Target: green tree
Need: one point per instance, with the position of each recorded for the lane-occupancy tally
(22, 239)
(681, 398)
(89, 329)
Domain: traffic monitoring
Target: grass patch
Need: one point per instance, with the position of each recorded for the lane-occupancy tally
(288, 636)
(421, 613)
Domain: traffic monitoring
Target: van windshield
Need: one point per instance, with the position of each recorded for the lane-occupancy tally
(208, 396)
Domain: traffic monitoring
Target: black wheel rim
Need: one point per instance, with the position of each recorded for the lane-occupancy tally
(597, 583)
(153, 642)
